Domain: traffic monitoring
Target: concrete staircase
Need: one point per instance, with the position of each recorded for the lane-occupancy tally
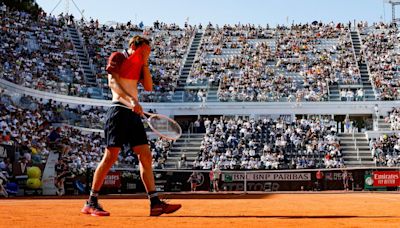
(349, 150)
(382, 125)
(187, 66)
(212, 95)
(90, 77)
(334, 93)
(188, 144)
(366, 84)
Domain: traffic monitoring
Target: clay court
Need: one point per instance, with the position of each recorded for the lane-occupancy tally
(269, 210)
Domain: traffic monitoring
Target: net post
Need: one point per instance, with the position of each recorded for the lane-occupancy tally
(245, 182)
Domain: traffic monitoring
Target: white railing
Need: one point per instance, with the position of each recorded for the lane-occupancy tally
(85, 51)
(355, 56)
(329, 93)
(75, 51)
(196, 53)
(355, 145)
(368, 69)
(183, 61)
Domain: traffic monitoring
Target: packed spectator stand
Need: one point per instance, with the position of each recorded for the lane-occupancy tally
(269, 144)
(36, 127)
(243, 62)
(36, 53)
(381, 50)
(169, 46)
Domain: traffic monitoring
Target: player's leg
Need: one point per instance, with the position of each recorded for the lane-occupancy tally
(92, 206)
(157, 207)
(146, 170)
(109, 158)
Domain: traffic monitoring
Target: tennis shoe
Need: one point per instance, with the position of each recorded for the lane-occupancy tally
(163, 208)
(94, 209)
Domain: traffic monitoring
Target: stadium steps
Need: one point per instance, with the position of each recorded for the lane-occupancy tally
(188, 144)
(212, 95)
(334, 93)
(90, 77)
(178, 96)
(349, 150)
(367, 86)
(187, 66)
(383, 126)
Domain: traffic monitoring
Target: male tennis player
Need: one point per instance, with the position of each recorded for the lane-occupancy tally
(124, 125)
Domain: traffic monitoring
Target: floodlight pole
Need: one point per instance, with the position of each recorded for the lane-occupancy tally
(394, 3)
(67, 7)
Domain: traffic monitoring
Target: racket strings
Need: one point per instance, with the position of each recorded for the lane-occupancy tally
(165, 126)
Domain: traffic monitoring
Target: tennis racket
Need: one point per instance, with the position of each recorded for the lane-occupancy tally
(163, 126)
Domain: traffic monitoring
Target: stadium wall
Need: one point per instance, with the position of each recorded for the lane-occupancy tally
(128, 181)
(222, 108)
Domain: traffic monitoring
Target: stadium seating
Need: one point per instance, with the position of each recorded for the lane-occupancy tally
(169, 46)
(36, 128)
(381, 45)
(236, 62)
(269, 144)
(38, 54)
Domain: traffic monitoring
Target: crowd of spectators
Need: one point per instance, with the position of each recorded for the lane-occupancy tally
(262, 69)
(394, 119)
(385, 150)
(169, 45)
(269, 144)
(380, 45)
(38, 127)
(286, 63)
(37, 53)
(351, 94)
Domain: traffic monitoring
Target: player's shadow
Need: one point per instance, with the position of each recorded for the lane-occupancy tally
(283, 216)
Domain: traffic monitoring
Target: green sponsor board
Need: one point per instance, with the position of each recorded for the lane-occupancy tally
(227, 178)
(369, 183)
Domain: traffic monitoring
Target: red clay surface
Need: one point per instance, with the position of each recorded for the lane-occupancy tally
(273, 210)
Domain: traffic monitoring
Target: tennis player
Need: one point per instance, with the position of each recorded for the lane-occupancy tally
(124, 125)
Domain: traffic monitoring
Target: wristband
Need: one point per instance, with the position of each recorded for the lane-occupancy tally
(132, 101)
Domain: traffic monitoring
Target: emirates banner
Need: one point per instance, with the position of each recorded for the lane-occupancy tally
(386, 178)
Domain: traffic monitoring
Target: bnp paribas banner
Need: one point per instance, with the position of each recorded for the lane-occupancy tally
(267, 177)
(283, 181)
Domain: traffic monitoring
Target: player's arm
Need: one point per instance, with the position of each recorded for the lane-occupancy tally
(147, 80)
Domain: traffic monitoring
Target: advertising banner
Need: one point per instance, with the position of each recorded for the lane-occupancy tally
(268, 177)
(386, 178)
(113, 180)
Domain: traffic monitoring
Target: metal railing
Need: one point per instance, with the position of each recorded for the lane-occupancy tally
(368, 69)
(355, 146)
(354, 53)
(183, 61)
(74, 47)
(90, 61)
(196, 53)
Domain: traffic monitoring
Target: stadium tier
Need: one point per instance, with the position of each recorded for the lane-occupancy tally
(311, 62)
